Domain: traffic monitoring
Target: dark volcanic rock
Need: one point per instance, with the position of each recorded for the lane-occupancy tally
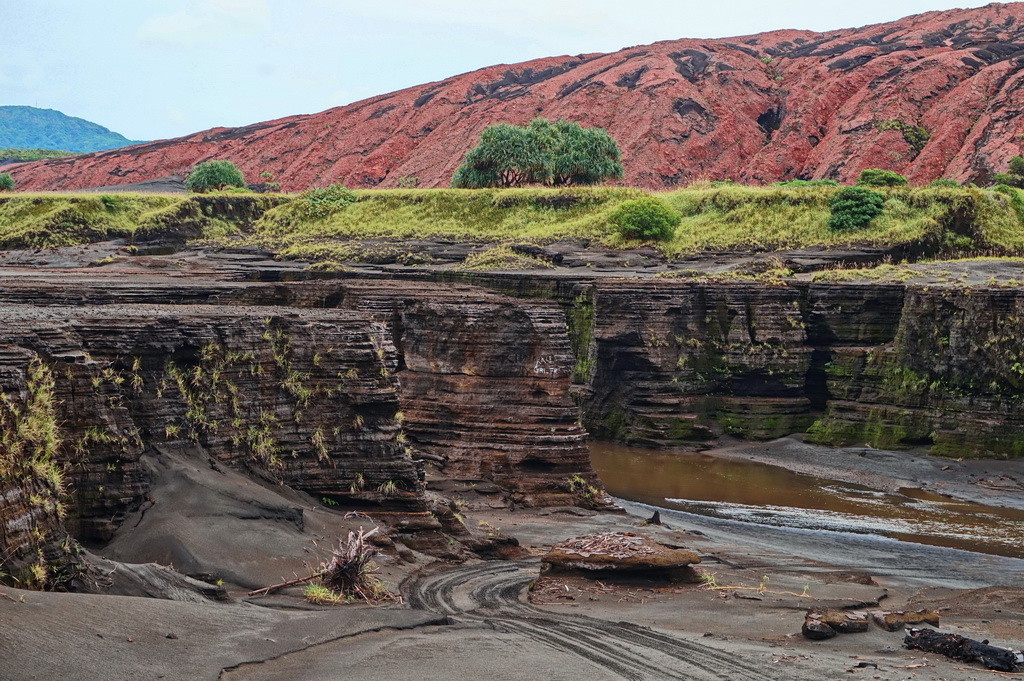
(620, 556)
(937, 94)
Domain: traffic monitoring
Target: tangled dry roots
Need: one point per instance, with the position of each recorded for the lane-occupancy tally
(350, 570)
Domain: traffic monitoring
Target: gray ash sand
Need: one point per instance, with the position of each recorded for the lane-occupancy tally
(479, 620)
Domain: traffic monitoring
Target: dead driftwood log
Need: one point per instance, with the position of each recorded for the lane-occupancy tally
(965, 649)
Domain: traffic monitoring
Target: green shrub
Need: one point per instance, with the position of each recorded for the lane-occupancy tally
(319, 202)
(210, 175)
(853, 208)
(873, 177)
(942, 182)
(6, 182)
(645, 218)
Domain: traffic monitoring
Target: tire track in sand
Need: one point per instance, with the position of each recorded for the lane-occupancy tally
(491, 593)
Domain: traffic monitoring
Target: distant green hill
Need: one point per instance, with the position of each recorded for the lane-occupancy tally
(13, 155)
(26, 127)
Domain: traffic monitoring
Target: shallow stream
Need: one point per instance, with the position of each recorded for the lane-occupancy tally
(769, 495)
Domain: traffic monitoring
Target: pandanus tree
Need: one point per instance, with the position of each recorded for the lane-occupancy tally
(554, 154)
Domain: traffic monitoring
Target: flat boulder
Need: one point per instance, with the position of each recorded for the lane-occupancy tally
(824, 624)
(621, 555)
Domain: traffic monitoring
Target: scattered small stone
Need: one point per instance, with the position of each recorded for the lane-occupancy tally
(171, 635)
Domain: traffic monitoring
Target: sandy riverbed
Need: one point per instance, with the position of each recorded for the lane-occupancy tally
(477, 620)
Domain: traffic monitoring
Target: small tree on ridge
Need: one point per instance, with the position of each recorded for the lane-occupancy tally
(557, 154)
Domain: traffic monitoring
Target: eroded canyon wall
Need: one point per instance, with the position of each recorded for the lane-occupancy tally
(887, 364)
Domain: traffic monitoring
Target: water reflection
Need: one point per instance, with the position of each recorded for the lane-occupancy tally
(769, 495)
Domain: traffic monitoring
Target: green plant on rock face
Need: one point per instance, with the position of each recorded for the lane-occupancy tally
(268, 179)
(389, 488)
(6, 182)
(873, 177)
(357, 484)
(211, 175)
(645, 218)
(319, 202)
(584, 492)
(854, 208)
(1013, 178)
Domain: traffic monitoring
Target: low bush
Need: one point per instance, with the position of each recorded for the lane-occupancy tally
(853, 208)
(942, 182)
(645, 218)
(873, 177)
(6, 182)
(319, 202)
(211, 175)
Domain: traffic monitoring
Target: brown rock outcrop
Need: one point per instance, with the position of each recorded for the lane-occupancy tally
(937, 94)
(620, 555)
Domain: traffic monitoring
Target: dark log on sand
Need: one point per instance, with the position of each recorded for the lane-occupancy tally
(959, 648)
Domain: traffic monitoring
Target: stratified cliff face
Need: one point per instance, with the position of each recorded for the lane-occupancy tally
(303, 397)
(484, 379)
(331, 388)
(485, 384)
(951, 375)
(932, 95)
(886, 364)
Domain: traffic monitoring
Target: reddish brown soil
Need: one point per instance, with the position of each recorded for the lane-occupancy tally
(784, 104)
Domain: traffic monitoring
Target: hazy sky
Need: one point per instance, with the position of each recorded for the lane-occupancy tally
(151, 69)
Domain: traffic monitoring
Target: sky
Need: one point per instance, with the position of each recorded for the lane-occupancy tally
(153, 69)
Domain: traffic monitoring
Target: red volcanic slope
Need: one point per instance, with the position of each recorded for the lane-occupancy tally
(755, 109)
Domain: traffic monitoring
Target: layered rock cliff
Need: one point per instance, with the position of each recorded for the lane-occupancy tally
(932, 95)
(335, 389)
(891, 365)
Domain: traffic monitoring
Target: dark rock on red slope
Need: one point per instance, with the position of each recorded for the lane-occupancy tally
(786, 104)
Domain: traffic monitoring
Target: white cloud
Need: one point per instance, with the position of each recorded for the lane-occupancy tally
(199, 23)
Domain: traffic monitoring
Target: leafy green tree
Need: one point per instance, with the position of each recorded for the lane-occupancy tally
(853, 208)
(581, 156)
(559, 154)
(1014, 178)
(645, 218)
(6, 182)
(211, 175)
(873, 177)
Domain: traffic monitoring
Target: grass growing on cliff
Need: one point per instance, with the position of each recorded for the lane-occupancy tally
(51, 220)
(930, 219)
(385, 225)
(479, 216)
(774, 218)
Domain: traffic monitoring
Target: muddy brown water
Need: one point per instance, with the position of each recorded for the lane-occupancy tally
(769, 495)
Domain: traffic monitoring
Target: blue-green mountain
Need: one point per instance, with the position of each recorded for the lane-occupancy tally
(26, 127)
